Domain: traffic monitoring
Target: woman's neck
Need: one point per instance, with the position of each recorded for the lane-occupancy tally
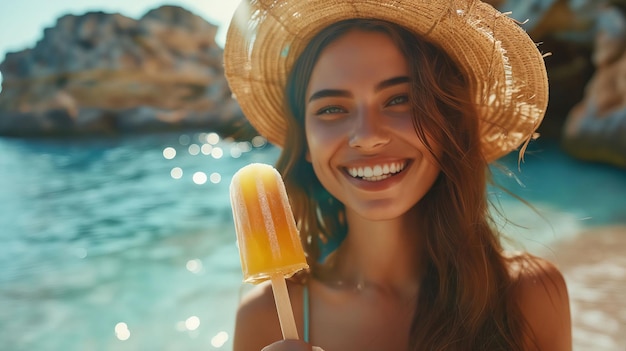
(385, 255)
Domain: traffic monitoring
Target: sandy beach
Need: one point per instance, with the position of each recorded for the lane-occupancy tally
(594, 265)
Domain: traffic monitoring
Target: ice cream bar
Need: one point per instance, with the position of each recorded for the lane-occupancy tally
(266, 231)
(269, 246)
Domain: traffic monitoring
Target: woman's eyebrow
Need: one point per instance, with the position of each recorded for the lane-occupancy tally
(329, 93)
(344, 93)
(391, 82)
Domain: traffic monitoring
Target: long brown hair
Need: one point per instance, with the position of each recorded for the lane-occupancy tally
(466, 299)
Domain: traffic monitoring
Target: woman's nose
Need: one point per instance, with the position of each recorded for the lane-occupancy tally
(369, 131)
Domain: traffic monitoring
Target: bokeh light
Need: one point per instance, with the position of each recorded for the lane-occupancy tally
(244, 146)
(192, 323)
(176, 173)
(235, 152)
(207, 144)
(259, 141)
(199, 178)
(201, 137)
(217, 153)
(213, 138)
(121, 331)
(219, 339)
(184, 139)
(215, 178)
(194, 149)
(194, 266)
(206, 149)
(169, 153)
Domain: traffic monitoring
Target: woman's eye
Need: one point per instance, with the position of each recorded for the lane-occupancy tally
(330, 110)
(400, 99)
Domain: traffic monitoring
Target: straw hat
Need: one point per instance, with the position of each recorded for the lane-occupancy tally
(505, 69)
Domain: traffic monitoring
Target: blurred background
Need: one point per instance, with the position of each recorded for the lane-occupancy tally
(118, 139)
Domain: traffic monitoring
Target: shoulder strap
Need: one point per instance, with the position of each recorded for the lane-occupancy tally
(305, 301)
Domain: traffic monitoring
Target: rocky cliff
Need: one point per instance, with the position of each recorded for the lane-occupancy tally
(107, 73)
(595, 128)
(586, 40)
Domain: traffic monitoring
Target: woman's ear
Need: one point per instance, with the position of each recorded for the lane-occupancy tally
(307, 156)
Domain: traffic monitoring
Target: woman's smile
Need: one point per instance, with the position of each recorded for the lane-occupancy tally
(376, 177)
(376, 172)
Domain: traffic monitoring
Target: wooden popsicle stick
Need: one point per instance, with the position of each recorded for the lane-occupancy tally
(283, 306)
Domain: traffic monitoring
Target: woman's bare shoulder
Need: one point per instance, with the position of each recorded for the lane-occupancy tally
(257, 323)
(544, 301)
(256, 320)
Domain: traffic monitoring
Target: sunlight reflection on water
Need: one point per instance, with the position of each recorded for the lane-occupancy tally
(211, 145)
(120, 244)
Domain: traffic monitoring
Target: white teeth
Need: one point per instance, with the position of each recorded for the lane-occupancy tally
(377, 172)
(367, 172)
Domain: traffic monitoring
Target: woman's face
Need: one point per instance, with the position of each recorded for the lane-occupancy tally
(359, 129)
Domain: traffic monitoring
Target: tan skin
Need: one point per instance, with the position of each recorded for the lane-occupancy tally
(363, 120)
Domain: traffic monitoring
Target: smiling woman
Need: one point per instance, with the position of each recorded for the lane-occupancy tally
(387, 120)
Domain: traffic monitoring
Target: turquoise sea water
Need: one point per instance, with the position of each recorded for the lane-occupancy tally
(128, 244)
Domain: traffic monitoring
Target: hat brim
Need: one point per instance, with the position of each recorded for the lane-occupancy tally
(503, 65)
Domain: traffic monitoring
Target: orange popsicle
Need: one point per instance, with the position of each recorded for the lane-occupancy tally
(269, 245)
(266, 231)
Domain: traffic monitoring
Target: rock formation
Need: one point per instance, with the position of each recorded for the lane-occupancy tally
(107, 73)
(586, 40)
(596, 127)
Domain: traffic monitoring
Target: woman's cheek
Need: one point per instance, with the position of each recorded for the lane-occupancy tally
(322, 135)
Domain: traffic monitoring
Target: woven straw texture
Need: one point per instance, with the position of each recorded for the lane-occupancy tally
(505, 69)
